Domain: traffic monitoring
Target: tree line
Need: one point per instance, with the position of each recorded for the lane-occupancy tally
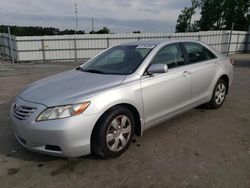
(215, 15)
(41, 31)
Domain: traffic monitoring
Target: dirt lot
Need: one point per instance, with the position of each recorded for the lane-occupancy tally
(200, 148)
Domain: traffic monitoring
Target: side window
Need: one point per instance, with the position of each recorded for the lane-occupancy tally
(198, 53)
(170, 55)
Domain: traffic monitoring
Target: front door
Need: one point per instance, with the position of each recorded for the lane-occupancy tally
(166, 93)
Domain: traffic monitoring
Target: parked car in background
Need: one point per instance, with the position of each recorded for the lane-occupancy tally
(100, 106)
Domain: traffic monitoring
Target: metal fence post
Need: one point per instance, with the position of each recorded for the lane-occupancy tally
(75, 49)
(10, 44)
(237, 44)
(3, 48)
(17, 55)
(1, 52)
(199, 37)
(43, 50)
(107, 42)
(248, 36)
(230, 38)
(247, 40)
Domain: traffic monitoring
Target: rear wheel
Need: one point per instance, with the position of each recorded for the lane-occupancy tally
(113, 132)
(219, 94)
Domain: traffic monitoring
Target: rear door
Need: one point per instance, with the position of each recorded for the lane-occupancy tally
(202, 64)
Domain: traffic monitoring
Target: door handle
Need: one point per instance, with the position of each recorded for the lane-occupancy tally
(186, 73)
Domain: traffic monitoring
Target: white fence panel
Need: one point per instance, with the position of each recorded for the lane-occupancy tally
(5, 46)
(76, 47)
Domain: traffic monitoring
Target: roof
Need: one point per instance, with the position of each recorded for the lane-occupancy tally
(166, 40)
(148, 42)
(158, 41)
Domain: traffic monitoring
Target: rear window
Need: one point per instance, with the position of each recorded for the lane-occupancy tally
(198, 53)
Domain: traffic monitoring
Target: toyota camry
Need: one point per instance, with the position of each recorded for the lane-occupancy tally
(101, 105)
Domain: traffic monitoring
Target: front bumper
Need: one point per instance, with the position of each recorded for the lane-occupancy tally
(68, 137)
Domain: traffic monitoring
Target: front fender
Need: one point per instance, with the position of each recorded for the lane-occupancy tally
(124, 94)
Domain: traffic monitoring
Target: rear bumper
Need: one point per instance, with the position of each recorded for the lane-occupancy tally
(68, 137)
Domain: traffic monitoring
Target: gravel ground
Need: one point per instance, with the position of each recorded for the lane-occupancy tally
(200, 148)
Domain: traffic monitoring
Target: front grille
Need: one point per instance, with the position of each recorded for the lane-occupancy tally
(23, 112)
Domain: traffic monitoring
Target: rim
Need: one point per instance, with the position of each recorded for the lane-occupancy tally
(220, 93)
(118, 133)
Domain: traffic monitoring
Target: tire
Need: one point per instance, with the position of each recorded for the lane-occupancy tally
(113, 132)
(219, 94)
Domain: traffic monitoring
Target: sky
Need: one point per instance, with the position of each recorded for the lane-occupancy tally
(120, 16)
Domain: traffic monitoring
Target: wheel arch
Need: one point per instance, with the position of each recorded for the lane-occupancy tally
(138, 124)
(225, 77)
(132, 108)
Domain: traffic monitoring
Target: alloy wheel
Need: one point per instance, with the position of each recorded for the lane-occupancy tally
(118, 133)
(220, 93)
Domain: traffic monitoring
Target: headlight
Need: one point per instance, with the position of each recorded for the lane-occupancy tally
(58, 112)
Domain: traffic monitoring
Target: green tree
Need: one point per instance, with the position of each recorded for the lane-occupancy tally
(104, 30)
(221, 14)
(184, 20)
(215, 15)
(234, 12)
(211, 14)
(36, 31)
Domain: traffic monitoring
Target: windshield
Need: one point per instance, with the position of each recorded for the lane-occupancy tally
(124, 59)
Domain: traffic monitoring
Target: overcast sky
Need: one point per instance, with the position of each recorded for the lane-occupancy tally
(118, 15)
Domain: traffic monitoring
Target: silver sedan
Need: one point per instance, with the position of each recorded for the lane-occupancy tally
(99, 106)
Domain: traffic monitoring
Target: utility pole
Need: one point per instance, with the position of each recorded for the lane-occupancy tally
(75, 44)
(92, 20)
(76, 18)
(10, 43)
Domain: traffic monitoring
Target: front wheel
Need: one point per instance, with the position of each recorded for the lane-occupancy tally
(219, 94)
(113, 132)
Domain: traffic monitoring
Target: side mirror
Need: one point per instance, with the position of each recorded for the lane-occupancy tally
(157, 69)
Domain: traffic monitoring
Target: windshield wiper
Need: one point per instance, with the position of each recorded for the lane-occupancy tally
(92, 71)
(89, 70)
(79, 68)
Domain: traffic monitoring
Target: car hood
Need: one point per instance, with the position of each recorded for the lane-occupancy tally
(69, 87)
